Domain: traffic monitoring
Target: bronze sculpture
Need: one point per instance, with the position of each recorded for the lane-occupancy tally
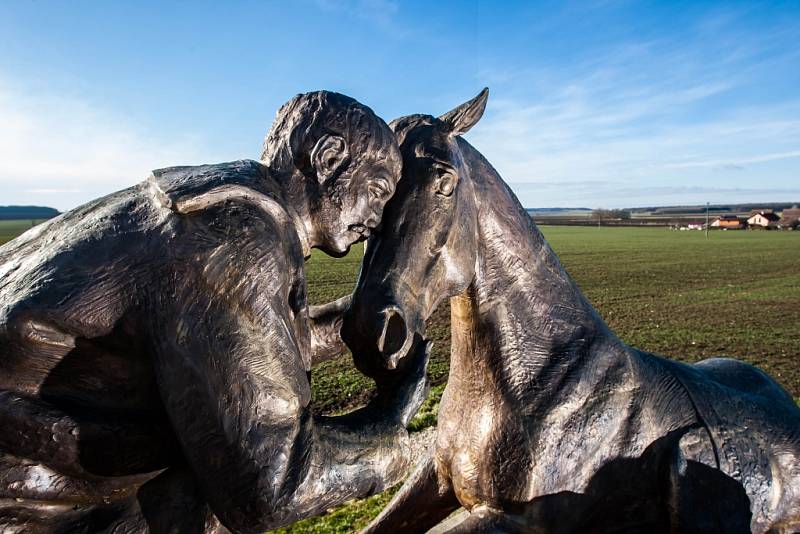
(549, 423)
(155, 344)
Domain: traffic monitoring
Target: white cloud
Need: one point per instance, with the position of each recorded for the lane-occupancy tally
(627, 148)
(644, 117)
(63, 150)
(734, 162)
(51, 191)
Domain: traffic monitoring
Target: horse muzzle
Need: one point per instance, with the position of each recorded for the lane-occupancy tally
(378, 340)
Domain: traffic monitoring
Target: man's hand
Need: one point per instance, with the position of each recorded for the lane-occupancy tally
(326, 323)
(402, 392)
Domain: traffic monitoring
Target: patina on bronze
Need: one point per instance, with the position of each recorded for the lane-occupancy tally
(549, 423)
(155, 344)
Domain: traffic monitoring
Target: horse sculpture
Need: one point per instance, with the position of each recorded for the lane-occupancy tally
(549, 423)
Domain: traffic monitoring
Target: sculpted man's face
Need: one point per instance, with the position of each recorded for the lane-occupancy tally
(339, 164)
(351, 203)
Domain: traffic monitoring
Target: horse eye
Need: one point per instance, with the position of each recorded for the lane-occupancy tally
(446, 184)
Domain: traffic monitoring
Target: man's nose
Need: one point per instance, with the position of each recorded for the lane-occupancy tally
(374, 219)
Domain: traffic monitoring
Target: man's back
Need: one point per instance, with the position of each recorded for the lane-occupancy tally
(67, 288)
(79, 295)
(79, 406)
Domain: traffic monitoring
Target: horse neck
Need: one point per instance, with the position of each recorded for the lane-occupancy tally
(523, 316)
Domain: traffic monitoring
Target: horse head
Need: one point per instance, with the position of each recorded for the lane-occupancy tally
(426, 246)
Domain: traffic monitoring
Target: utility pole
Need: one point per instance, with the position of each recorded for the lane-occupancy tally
(707, 220)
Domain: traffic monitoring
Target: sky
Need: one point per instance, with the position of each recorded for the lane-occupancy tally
(592, 104)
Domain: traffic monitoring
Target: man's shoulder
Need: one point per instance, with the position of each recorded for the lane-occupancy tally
(174, 185)
(246, 183)
(191, 189)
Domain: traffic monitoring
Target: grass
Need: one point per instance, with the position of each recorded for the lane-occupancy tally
(350, 517)
(674, 293)
(678, 294)
(11, 229)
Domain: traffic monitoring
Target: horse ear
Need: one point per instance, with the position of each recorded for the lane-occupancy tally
(465, 116)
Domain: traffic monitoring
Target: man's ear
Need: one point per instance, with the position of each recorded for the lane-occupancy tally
(329, 156)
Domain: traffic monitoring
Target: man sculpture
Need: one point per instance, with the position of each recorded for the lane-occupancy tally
(155, 344)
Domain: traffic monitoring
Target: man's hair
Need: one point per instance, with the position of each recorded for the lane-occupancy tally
(305, 118)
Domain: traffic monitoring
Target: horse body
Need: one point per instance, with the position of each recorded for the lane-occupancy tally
(542, 397)
(549, 423)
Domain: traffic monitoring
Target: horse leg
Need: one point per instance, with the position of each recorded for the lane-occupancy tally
(419, 504)
(702, 498)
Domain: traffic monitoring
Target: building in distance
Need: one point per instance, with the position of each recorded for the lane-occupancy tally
(763, 219)
(729, 222)
(790, 218)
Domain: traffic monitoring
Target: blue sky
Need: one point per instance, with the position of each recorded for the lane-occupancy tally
(597, 104)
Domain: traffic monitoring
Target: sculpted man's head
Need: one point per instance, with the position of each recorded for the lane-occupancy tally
(339, 164)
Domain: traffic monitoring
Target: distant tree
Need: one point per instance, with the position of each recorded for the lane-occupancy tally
(624, 215)
(601, 215)
(26, 212)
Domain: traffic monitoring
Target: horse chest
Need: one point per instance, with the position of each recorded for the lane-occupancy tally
(480, 449)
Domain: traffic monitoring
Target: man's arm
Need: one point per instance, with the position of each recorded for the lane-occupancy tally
(236, 391)
(326, 323)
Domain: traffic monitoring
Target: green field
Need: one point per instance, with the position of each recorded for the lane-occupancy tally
(11, 229)
(675, 293)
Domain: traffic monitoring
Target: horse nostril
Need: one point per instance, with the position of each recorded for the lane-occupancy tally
(393, 334)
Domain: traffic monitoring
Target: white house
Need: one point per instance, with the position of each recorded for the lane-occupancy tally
(763, 218)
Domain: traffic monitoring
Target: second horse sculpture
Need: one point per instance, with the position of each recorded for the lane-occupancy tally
(550, 423)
